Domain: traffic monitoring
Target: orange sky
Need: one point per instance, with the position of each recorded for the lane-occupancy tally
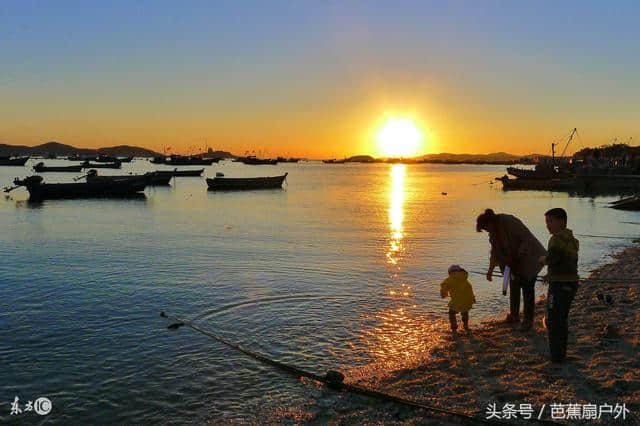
(317, 80)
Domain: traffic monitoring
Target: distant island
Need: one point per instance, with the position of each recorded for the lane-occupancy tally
(61, 150)
(498, 158)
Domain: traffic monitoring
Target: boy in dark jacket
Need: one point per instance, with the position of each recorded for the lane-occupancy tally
(562, 267)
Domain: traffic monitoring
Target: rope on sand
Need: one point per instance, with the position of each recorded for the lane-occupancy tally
(334, 379)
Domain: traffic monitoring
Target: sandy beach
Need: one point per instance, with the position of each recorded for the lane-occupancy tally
(498, 364)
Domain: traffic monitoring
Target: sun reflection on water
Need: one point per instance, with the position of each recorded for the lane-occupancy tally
(396, 214)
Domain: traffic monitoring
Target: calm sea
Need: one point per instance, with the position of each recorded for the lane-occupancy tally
(340, 270)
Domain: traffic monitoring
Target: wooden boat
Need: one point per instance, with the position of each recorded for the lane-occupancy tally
(254, 161)
(88, 165)
(232, 184)
(76, 157)
(520, 184)
(40, 191)
(176, 172)
(179, 160)
(15, 161)
(629, 203)
(150, 178)
(41, 168)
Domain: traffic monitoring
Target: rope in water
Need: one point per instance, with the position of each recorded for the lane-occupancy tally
(330, 378)
(594, 280)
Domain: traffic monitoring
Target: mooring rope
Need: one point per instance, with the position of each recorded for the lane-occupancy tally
(334, 379)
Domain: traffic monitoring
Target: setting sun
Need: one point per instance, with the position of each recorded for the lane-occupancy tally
(399, 137)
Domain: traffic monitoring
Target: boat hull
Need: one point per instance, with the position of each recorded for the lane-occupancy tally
(84, 190)
(243, 184)
(173, 173)
(47, 169)
(21, 161)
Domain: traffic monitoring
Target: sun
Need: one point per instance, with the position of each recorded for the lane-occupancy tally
(399, 137)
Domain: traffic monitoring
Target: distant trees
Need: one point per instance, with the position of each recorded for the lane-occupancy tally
(618, 150)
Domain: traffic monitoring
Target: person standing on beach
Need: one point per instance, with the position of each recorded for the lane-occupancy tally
(562, 268)
(513, 245)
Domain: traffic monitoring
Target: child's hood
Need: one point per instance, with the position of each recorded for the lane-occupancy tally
(566, 239)
(459, 275)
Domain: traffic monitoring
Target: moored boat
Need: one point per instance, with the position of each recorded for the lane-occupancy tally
(88, 165)
(158, 160)
(334, 161)
(38, 190)
(231, 184)
(150, 178)
(179, 160)
(176, 172)
(13, 161)
(255, 161)
(41, 168)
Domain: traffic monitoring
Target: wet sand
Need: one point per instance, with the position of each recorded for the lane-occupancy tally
(497, 363)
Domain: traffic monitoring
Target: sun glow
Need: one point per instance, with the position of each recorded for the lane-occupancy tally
(399, 137)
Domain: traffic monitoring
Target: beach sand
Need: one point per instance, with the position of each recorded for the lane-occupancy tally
(498, 364)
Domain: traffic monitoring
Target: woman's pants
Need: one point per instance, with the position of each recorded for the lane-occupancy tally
(559, 300)
(528, 298)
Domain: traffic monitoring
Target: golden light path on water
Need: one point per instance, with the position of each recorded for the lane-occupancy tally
(399, 337)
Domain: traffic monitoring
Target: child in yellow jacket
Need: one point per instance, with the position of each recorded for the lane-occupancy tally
(458, 287)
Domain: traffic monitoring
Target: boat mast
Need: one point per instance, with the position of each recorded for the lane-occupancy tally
(573, 133)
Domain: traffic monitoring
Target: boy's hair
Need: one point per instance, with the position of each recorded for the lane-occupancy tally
(558, 213)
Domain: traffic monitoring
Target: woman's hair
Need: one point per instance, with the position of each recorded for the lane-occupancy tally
(485, 219)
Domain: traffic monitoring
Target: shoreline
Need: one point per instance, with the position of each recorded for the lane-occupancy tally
(498, 364)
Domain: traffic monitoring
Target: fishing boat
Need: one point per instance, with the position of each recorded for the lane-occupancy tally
(38, 190)
(151, 178)
(77, 157)
(255, 161)
(88, 165)
(231, 184)
(179, 160)
(41, 168)
(13, 161)
(176, 172)
(519, 184)
(629, 203)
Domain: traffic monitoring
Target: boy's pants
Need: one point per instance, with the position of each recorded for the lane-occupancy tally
(528, 298)
(559, 300)
(454, 323)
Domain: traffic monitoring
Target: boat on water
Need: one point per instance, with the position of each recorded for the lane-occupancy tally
(255, 161)
(89, 165)
(41, 168)
(13, 161)
(77, 157)
(629, 203)
(287, 160)
(151, 178)
(176, 172)
(334, 161)
(158, 160)
(519, 184)
(179, 160)
(38, 190)
(235, 184)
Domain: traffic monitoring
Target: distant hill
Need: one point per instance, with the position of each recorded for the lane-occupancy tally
(493, 157)
(361, 159)
(62, 150)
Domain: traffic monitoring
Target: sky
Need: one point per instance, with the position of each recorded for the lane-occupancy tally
(319, 79)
